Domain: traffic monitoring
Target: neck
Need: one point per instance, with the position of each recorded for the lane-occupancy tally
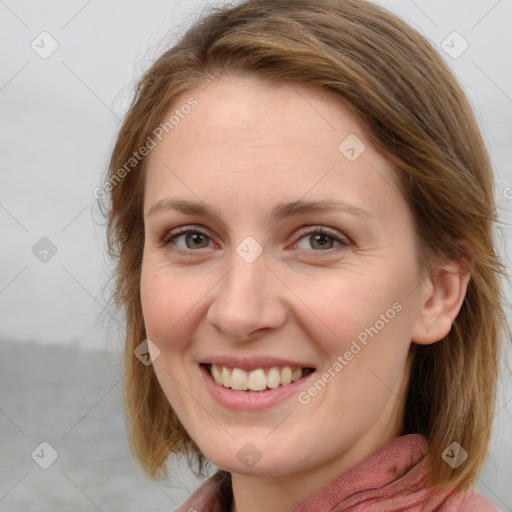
(285, 493)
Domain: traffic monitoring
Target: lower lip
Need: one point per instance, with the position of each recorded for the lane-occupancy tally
(251, 400)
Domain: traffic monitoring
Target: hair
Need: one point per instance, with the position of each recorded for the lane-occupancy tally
(418, 117)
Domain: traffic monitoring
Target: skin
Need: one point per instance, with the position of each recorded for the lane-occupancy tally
(247, 146)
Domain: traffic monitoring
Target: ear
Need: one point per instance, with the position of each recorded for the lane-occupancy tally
(441, 297)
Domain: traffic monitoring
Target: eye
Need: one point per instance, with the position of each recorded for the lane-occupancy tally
(186, 240)
(321, 239)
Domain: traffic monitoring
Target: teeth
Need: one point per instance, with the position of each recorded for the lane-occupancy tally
(296, 374)
(255, 380)
(216, 374)
(274, 377)
(239, 379)
(286, 375)
(226, 377)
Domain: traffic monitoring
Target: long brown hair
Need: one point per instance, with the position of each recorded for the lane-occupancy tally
(417, 116)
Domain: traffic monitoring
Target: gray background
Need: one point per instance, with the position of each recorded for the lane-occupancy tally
(60, 372)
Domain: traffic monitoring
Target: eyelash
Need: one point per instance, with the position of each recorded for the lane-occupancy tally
(172, 235)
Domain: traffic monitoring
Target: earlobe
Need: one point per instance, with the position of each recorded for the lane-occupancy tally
(441, 297)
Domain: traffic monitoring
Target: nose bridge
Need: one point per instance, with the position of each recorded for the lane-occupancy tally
(246, 300)
(246, 280)
(245, 284)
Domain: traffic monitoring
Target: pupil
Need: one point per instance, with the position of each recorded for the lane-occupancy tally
(320, 239)
(196, 238)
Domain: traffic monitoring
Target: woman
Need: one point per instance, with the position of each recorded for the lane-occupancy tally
(301, 212)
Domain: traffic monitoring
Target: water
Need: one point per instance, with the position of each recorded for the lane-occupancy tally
(71, 399)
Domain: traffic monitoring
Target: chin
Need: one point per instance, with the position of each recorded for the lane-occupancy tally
(259, 466)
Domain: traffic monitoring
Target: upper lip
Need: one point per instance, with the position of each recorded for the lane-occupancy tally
(252, 363)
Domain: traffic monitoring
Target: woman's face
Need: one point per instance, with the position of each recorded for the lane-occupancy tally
(252, 272)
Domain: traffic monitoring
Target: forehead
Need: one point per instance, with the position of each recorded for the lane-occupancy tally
(250, 111)
(254, 139)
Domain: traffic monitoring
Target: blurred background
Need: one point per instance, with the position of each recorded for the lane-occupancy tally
(66, 77)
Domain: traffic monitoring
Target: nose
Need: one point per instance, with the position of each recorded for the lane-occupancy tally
(248, 301)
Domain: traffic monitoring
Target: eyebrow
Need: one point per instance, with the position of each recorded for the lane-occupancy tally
(279, 211)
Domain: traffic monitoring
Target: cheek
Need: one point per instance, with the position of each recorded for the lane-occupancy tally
(173, 302)
(365, 318)
(164, 302)
(342, 305)
(165, 306)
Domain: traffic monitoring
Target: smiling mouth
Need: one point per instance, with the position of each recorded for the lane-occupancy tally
(257, 380)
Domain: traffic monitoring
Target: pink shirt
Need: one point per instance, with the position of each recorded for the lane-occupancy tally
(391, 479)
